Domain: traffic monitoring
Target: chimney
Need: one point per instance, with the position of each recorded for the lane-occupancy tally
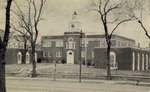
(138, 45)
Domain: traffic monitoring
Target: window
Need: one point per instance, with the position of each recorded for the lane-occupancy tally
(44, 54)
(84, 44)
(59, 43)
(19, 57)
(82, 54)
(71, 44)
(92, 54)
(119, 44)
(103, 43)
(49, 54)
(113, 63)
(27, 57)
(58, 54)
(46, 43)
(113, 43)
(124, 44)
(49, 44)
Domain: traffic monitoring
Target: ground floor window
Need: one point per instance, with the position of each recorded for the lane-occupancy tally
(19, 57)
(113, 63)
(58, 54)
(27, 57)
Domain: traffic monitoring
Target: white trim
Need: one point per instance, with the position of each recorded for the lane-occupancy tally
(146, 62)
(138, 65)
(133, 61)
(143, 61)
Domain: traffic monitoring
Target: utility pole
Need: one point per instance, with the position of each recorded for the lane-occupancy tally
(85, 49)
(81, 33)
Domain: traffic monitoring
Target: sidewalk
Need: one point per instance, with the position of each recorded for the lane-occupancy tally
(109, 82)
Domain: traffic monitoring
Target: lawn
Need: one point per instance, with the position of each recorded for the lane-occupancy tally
(69, 70)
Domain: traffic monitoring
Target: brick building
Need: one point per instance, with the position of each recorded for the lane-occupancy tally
(15, 49)
(124, 58)
(74, 46)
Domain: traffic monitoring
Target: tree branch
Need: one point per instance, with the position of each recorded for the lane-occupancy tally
(146, 33)
(119, 24)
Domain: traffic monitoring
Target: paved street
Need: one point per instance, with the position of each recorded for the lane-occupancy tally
(68, 85)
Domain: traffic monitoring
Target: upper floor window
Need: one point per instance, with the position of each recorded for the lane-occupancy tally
(46, 43)
(119, 44)
(19, 45)
(71, 44)
(59, 43)
(113, 43)
(103, 43)
(84, 43)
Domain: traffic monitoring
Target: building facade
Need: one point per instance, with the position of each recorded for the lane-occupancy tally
(15, 49)
(123, 58)
(75, 46)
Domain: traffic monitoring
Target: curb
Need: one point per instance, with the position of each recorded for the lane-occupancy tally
(109, 82)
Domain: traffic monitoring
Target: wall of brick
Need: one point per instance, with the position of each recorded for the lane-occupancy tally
(124, 58)
(12, 58)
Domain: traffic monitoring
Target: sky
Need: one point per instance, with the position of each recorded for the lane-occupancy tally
(58, 13)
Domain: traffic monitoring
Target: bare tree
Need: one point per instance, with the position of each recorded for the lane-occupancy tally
(3, 45)
(29, 20)
(112, 14)
(25, 36)
(142, 7)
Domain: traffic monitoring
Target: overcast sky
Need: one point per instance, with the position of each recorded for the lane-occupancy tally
(59, 12)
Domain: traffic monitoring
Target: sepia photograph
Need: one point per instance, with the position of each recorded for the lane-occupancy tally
(75, 46)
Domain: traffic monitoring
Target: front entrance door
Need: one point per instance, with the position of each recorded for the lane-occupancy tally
(70, 57)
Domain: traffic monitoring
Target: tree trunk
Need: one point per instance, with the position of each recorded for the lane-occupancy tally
(23, 57)
(3, 45)
(108, 63)
(2, 69)
(24, 52)
(33, 61)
